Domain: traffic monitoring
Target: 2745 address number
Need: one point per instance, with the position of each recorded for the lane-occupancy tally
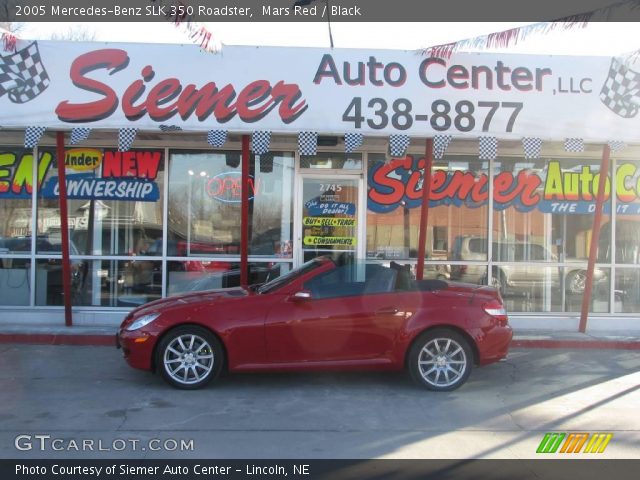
(462, 115)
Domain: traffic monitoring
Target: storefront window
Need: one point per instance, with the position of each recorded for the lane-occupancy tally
(627, 230)
(114, 202)
(16, 186)
(543, 210)
(15, 284)
(627, 290)
(195, 276)
(107, 283)
(543, 214)
(457, 211)
(205, 204)
(332, 161)
(627, 238)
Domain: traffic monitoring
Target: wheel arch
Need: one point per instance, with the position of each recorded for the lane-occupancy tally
(453, 328)
(154, 354)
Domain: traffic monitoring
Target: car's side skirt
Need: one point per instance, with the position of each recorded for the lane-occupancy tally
(338, 365)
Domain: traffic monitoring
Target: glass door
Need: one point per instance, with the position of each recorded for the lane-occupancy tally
(330, 217)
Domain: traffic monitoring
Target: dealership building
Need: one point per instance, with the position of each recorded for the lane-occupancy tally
(186, 170)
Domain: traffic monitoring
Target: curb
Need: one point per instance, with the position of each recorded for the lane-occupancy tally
(109, 341)
(577, 344)
(53, 339)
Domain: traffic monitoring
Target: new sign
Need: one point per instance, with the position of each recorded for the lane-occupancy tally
(123, 176)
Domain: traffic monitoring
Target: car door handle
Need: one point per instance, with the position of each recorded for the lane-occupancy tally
(387, 311)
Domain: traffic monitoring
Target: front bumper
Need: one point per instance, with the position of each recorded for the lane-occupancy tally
(137, 348)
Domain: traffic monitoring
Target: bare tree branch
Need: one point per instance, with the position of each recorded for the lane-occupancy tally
(76, 33)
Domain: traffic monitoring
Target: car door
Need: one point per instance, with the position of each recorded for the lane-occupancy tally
(345, 319)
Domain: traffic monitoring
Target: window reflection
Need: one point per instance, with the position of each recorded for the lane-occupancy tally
(205, 204)
(114, 207)
(195, 276)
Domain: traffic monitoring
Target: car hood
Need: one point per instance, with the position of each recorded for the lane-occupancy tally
(192, 298)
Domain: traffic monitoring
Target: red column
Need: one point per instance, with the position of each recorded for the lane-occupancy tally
(64, 230)
(244, 214)
(595, 237)
(424, 209)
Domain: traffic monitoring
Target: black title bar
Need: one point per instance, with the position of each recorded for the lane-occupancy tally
(542, 469)
(313, 10)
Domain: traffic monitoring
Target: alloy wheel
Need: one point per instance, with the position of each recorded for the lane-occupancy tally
(188, 359)
(442, 362)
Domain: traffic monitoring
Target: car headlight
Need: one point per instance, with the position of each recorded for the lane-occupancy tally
(142, 321)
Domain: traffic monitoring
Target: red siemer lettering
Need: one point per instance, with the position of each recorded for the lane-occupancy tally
(168, 97)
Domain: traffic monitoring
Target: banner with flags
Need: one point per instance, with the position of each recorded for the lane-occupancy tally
(353, 93)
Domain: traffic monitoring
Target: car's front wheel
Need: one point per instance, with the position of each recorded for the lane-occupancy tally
(440, 360)
(189, 357)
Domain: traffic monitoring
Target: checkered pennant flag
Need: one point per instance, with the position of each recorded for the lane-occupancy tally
(532, 147)
(440, 145)
(32, 136)
(308, 143)
(352, 141)
(23, 75)
(79, 134)
(170, 128)
(488, 149)
(217, 138)
(266, 163)
(573, 145)
(260, 142)
(616, 145)
(126, 136)
(398, 145)
(621, 90)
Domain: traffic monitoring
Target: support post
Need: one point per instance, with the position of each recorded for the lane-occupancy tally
(244, 214)
(424, 208)
(64, 230)
(595, 238)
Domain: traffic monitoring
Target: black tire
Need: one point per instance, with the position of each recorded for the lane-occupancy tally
(423, 353)
(197, 354)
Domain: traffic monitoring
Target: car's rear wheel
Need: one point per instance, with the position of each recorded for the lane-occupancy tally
(440, 360)
(189, 357)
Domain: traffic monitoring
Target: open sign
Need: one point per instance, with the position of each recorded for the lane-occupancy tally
(227, 187)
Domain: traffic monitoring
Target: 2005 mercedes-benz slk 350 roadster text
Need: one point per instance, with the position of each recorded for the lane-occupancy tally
(322, 316)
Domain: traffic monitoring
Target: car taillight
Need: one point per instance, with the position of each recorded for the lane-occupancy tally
(496, 309)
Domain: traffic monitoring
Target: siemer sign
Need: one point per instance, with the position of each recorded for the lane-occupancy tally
(288, 90)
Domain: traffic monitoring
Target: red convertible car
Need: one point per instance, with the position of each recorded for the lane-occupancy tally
(322, 316)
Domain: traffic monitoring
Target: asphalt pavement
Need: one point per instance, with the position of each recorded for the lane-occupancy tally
(60, 401)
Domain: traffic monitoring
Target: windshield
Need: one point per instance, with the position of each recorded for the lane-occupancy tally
(276, 283)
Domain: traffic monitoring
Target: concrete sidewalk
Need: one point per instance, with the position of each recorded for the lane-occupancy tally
(526, 338)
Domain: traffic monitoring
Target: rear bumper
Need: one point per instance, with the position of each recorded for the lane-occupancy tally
(493, 345)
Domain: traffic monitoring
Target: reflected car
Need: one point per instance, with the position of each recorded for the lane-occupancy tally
(529, 270)
(229, 278)
(322, 316)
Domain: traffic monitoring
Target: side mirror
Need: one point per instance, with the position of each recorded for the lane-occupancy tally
(301, 296)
